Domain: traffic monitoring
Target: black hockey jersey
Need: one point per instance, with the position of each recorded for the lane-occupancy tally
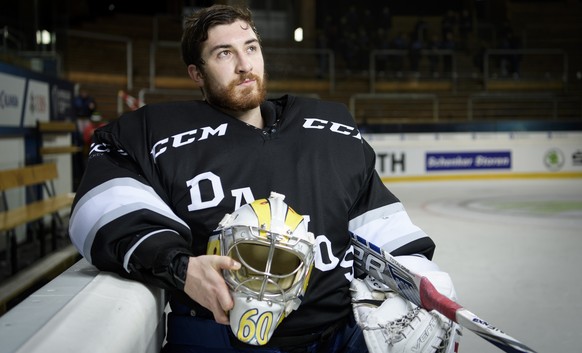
(159, 180)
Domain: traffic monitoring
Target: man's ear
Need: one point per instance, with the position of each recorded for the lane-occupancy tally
(196, 75)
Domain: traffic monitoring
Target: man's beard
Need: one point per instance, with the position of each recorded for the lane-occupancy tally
(230, 98)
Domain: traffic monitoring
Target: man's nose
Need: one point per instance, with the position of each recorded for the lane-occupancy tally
(244, 64)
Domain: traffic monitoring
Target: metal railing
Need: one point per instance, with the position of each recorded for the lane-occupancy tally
(325, 61)
(112, 38)
(401, 55)
(512, 97)
(11, 36)
(286, 64)
(560, 61)
(154, 45)
(568, 104)
(396, 96)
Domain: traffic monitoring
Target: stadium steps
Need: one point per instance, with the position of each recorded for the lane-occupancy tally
(100, 67)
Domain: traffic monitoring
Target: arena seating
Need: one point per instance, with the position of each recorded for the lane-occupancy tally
(170, 73)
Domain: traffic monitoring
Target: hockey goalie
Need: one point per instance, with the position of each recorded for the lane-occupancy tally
(392, 324)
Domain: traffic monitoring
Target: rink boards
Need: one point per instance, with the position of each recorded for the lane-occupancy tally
(450, 155)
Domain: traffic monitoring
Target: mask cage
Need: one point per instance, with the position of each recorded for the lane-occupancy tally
(271, 267)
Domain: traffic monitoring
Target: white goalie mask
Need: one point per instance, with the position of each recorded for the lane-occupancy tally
(276, 253)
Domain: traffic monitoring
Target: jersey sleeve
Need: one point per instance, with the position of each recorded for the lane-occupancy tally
(380, 218)
(120, 221)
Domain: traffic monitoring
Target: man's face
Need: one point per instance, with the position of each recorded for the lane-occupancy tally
(233, 74)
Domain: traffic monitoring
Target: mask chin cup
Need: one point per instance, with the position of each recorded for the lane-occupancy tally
(253, 321)
(265, 290)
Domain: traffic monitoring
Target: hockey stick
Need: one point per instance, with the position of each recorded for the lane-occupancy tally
(419, 290)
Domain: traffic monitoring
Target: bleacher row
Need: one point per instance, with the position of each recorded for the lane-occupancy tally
(101, 66)
(34, 225)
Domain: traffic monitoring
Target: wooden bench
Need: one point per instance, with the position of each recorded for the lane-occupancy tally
(57, 128)
(34, 179)
(508, 85)
(414, 86)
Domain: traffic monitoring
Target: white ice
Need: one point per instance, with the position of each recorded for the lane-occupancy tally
(513, 249)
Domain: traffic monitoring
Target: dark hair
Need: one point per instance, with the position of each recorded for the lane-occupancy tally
(197, 25)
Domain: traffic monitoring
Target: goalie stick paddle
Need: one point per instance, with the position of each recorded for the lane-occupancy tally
(379, 264)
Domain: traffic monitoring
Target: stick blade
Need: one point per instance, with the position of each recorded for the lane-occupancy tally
(490, 333)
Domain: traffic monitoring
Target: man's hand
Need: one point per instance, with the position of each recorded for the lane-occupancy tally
(205, 284)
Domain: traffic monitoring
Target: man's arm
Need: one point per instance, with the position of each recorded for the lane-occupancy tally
(379, 217)
(120, 223)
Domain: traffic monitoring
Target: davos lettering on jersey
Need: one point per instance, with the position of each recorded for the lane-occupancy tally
(342, 129)
(468, 160)
(325, 260)
(186, 138)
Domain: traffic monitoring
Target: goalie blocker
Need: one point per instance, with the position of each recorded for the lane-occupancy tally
(392, 324)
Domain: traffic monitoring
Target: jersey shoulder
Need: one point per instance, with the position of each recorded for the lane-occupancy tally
(323, 109)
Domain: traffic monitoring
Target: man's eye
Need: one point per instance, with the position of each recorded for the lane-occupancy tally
(252, 48)
(224, 53)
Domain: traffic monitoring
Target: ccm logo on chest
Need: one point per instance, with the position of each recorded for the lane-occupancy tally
(320, 124)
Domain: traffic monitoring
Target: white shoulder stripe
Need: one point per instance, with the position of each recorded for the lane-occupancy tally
(388, 227)
(384, 211)
(108, 202)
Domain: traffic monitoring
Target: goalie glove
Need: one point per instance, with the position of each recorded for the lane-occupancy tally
(392, 324)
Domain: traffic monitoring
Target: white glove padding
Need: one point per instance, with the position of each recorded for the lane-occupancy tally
(423, 266)
(392, 324)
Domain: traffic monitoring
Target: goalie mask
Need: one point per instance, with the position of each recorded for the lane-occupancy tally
(276, 253)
